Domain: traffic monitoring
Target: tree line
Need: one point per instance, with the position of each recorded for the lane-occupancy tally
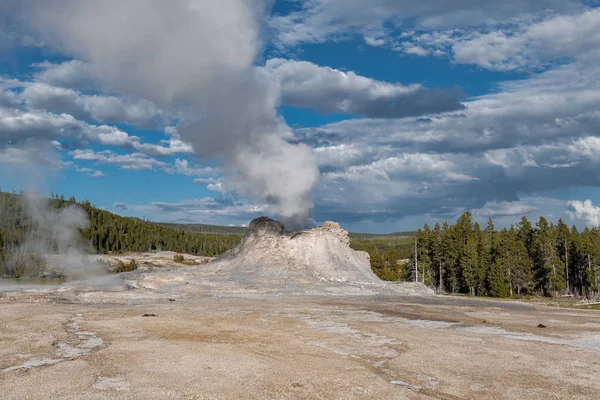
(545, 258)
(106, 233)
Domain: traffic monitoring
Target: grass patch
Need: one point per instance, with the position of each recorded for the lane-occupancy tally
(589, 307)
(179, 258)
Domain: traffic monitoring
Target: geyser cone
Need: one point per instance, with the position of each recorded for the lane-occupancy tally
(268, 254)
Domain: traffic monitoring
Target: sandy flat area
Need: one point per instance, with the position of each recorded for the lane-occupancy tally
(295, 347)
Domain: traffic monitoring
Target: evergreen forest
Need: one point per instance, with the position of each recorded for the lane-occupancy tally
(543, 258)
(107, 232)
(526, 259)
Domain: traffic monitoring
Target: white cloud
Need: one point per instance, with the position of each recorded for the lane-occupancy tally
(372, 41)
(533, 136)
(586, 211)
(132, 161)
(182, 167)
(99, 108)
(505, 208)
(74, 74)
(174, 146)
(28, 154)
(535, 46)
(94, 173)
(304, 84)
(19, 125)
(409, 48)
(205, 181)
(322, 20)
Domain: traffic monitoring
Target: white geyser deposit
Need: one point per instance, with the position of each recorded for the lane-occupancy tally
(268, 254)
(269, 260)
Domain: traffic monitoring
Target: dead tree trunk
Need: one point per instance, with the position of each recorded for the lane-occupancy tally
(416, 263)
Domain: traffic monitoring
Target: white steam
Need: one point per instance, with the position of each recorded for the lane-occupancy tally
(195, 58)
(54, 243)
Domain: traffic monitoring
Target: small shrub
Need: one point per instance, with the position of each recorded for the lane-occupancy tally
(178, 258)
(122, 267)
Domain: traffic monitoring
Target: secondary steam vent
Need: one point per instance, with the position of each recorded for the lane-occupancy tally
(268, 254)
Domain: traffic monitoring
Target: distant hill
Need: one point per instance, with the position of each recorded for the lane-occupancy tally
(204, 228)
(240, 230)
(394, 235)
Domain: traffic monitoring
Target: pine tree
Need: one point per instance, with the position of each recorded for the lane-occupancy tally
(450, 256)
(496, 281)
(526, 234)
(520, 275)
(546, 260)
(486, 253)
(469, 264)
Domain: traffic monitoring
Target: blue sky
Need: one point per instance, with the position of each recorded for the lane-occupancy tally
(379, 114)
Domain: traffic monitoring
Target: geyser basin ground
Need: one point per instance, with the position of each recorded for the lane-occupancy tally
(300, 347)
(286, 316)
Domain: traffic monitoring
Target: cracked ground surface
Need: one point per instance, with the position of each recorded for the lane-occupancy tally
(290, 347)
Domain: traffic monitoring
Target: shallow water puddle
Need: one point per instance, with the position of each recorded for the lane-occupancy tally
(86, 342)
(108, 383)
(587, 342)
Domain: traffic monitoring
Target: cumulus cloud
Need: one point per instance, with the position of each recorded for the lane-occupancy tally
(197, 59)
(527, 137)
(585, 210)
(533, 136)
(73, 74)
(304, 84)
(18, 125)
(575, 36)
(99, 108)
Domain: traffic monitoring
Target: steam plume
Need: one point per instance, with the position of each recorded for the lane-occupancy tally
(196, 58)
(54, 242)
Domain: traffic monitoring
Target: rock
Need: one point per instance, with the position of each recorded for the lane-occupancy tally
(149, 315)
(541, 326)
(335, 229)
(265, 226)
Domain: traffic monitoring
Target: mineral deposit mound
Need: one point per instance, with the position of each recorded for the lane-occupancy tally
(318, 258)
